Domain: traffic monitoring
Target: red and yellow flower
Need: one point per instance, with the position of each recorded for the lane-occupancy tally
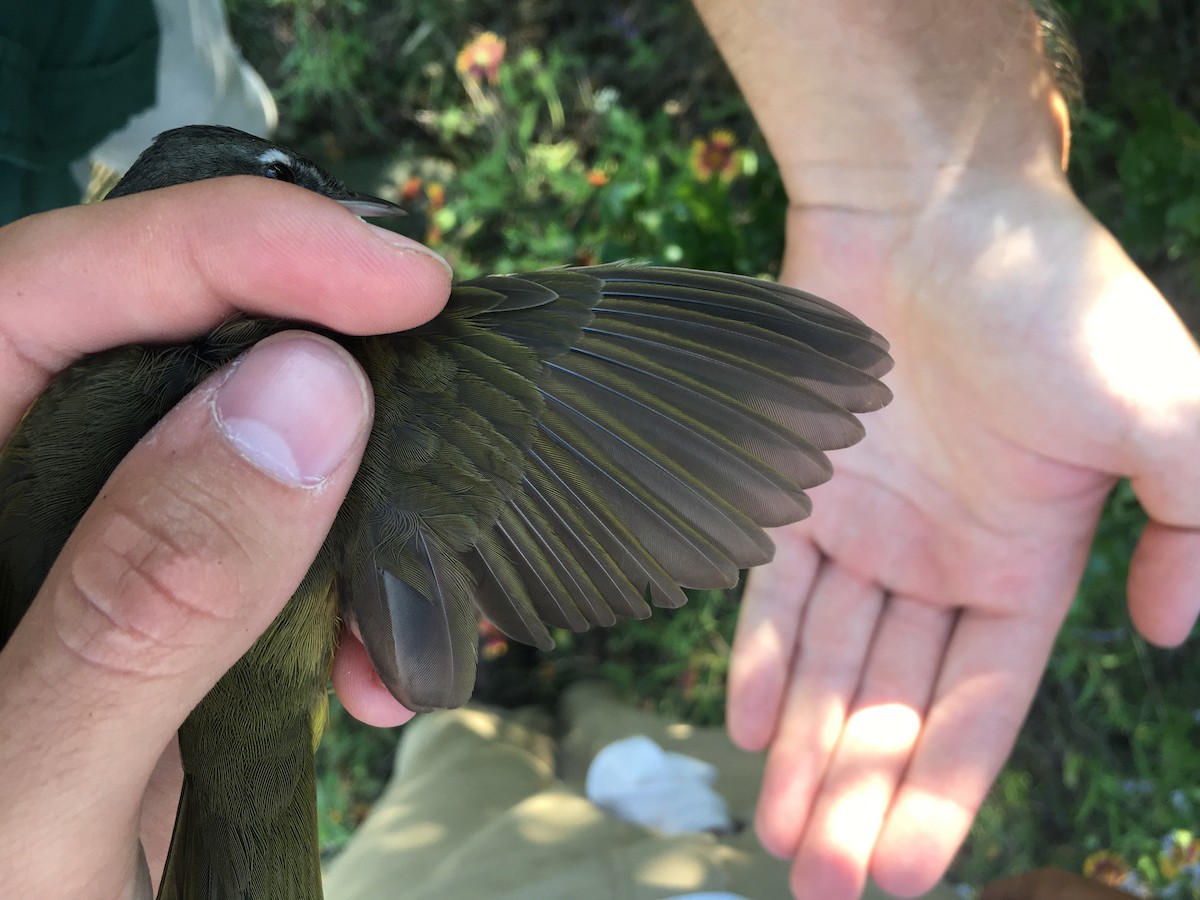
(716, 156)
(480, 59)
(1106, 867)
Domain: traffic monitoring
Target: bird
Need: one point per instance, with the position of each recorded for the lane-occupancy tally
(556, 449)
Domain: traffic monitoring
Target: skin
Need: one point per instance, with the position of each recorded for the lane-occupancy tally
(888, 656)
(99, 674)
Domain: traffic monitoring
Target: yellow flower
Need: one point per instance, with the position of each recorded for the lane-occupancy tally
(435, 193)
(481, 58)
(716, 155)
(1180, 853)
(1106, 867)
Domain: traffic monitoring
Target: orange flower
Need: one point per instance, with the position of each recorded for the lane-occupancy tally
(1106, 867)
(411, 189)
(597, 178)
(480, 59)
(716, 155)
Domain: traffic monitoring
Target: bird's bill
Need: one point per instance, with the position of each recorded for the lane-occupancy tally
(368, 207)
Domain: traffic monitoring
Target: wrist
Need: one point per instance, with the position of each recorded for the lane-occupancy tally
(874, 106)
(902, 163)
(886, 249)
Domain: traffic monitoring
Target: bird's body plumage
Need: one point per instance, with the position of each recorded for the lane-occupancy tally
(554, 449)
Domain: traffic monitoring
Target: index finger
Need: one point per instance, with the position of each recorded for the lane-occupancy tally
(171, 263)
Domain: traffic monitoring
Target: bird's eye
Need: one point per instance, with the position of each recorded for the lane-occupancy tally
(281, 172)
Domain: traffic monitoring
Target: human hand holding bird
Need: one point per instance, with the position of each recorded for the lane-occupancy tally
(549, 450)
(80, 775)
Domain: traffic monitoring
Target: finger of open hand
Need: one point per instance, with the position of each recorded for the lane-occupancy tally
(841, 617)
(769, 620)
(192, 547)
(1147, 366)
(1164, 583)
(990, 672)
(873, 751)
(172, 263)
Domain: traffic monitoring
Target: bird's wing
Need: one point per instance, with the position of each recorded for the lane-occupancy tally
(580, 439)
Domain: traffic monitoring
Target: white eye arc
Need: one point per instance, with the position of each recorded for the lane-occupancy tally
(275, 155)
(277, 165)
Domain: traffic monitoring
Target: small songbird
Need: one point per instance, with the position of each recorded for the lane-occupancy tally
(557, 448)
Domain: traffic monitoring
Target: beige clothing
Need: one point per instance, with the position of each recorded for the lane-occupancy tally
(479, 806)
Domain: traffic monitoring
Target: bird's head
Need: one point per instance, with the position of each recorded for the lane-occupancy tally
(197, 152)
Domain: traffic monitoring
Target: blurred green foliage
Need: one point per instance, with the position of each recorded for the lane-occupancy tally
(583, 97)
(674, 663)
(403, 63)
(353, 765)
(599, 138)
(528, 187)
(1136, 150)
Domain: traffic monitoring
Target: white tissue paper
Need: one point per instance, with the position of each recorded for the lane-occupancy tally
(637, 781)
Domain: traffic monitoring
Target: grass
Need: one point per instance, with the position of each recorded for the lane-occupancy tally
(602, 137)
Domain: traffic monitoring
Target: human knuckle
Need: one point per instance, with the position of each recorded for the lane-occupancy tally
(152, 578)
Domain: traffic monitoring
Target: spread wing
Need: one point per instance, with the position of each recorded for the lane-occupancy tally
(572, 442)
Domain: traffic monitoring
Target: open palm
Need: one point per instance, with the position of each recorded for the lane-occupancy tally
(889, 654)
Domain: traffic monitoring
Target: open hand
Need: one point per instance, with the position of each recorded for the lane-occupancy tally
(889, 655)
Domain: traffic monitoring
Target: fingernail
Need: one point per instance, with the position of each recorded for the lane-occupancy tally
(408, 245)
(294, 406)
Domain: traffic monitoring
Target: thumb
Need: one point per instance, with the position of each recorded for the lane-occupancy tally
(1164, 582)
(1147, 366)
(1164, 572)
(194, 545)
